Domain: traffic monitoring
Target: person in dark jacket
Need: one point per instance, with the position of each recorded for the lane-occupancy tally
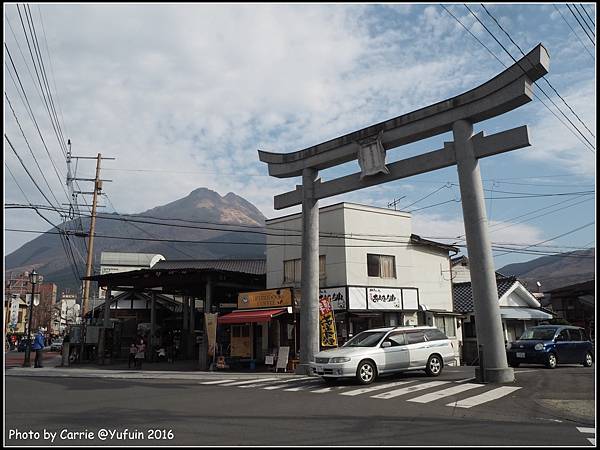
(38, 345)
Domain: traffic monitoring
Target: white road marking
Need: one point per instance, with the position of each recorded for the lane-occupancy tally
(283, 384)
(376, 387)
(302, 387)
(277, 383)
(445, 393)
(260, 380)
(485, 397)
(216, 382)
(592, 440)
(586, 430)
(327, 389)
(408, 390)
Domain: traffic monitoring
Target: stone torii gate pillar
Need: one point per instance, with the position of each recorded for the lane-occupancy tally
(508, 90)
(481, 261)
(309, 310)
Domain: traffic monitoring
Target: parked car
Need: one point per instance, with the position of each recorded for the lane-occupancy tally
(56, 345)
(385, 351)
(551, 345)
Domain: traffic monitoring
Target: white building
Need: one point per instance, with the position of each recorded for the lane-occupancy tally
(66, 312)
(376, 271)
(114, 262)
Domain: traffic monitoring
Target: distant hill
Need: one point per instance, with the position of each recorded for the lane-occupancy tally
(555, 271)
(204, 216)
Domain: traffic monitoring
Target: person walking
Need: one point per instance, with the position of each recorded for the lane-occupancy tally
(38, 345)
(132, 352)
(140, 355)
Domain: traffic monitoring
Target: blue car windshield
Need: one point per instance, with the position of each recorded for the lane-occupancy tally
(365, 339)
(538, 334)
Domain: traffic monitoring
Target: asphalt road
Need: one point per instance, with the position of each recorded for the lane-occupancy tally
(184, 412)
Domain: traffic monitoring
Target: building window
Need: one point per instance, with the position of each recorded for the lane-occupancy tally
(447, 325)
(292, 270)
(382, 266)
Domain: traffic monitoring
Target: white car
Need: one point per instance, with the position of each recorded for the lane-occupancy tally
(384, 351)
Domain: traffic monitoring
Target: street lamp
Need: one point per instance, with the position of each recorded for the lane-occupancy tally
(33, 278)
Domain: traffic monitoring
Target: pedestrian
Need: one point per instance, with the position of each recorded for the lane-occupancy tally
(132, 352)
(38, 346)
(140, 355)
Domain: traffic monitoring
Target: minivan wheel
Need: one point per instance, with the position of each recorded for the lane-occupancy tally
(366, 372)
(434, 366)
(551, 361)
(589, 359)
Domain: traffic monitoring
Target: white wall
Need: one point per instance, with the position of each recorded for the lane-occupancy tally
(417, 266)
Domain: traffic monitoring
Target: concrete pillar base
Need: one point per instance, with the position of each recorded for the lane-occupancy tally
(303, 369)
(495, 375)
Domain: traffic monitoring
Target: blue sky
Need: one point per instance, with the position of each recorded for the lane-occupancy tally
(183, 96)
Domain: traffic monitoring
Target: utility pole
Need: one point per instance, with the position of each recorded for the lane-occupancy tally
(90, 256)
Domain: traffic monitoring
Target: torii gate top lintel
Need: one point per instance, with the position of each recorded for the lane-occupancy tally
(506, 91)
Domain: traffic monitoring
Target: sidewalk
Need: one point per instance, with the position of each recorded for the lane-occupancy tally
(179, 370)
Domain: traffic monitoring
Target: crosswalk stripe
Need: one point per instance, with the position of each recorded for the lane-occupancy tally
(302, 387)
(216, 382)
(283, 384)
(376, 387)
(592, 440)
(276, 383)
(586, 430)
(445, 393)
(327, 389)
(260, 380)
(409, 389)
(485, 397)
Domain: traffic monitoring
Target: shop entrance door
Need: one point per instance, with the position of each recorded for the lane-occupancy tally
(241, 344)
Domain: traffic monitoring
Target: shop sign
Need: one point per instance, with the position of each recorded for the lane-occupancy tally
(327, 320)
(337, 297)
(382, 298)
(273, 298)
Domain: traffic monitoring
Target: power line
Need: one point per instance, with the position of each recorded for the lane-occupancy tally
(582, 27)
(447, 185)
(556, 237)
(586, 13)
(530, 252)
(544, 77)
(591, 146)
(574, 32)
(583, 18)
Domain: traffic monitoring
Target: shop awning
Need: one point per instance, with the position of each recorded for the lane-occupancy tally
(264, 315)
(524, 314)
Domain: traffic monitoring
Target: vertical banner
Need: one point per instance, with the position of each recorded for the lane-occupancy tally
(14, 312)
(210, 321)
(328, 333)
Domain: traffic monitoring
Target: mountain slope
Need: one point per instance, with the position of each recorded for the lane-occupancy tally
(203, 216)
(555, 271)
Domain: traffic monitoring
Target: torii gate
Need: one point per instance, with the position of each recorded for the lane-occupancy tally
(508, 90)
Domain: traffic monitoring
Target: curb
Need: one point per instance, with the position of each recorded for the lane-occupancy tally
(146, 375)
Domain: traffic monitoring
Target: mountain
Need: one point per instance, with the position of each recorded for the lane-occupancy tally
(201, 216)
(555, 271)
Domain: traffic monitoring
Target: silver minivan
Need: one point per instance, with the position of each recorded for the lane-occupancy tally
(384, 351)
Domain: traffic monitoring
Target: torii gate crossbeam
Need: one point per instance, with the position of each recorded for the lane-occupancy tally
(508, 90)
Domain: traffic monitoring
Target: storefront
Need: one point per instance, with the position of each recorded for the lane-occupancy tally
(263, 322)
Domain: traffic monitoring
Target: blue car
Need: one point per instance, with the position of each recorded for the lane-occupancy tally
(551, 345)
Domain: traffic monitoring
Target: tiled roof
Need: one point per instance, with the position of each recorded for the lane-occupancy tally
(249, 266)
(463, 294)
